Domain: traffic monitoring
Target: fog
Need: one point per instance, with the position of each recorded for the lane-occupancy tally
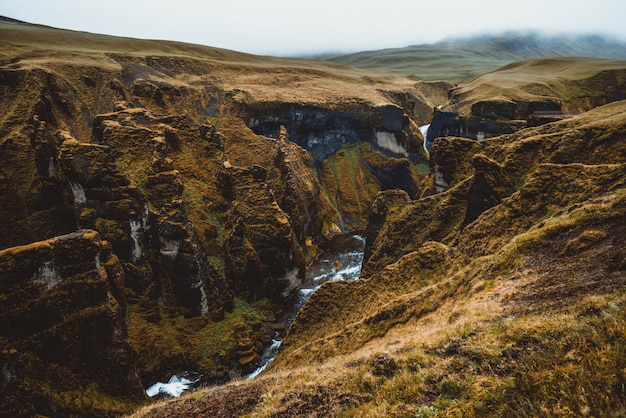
(296, 28)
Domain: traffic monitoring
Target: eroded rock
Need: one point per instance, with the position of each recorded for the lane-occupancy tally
(63, 321)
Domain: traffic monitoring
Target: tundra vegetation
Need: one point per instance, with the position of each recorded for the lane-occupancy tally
(161, 202)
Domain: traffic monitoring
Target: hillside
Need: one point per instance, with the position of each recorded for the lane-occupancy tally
(200, 183)
(501, 296)
(462, 59)
(162, 203)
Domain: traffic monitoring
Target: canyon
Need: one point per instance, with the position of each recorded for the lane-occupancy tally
(162, 204)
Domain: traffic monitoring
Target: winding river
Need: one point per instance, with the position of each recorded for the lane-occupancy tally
(341, 260)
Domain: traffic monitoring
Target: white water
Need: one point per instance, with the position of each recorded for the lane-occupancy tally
(79, 193)
(387, 140)
(47, 275)
(424, 131)
(267, 358)
(174, 387)
(135, 229)
(341, 262)
(51, 167)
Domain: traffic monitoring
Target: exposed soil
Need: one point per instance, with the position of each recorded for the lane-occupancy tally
(228, 402)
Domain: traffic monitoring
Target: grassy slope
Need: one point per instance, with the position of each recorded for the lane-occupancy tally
(473, 334)
(262, 78)
(461, 60)
(576, 82)
(523, 313)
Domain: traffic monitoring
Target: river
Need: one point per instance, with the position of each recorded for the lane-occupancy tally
(341, 260)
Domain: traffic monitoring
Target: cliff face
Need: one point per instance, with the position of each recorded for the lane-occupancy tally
(160, 206)
(470, 177)
(498, 275)
(526, 94)
(63, 328)
(211, 176)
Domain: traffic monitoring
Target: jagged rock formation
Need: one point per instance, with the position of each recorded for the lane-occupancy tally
(209, 179)
(62, 326)
(493, 117)
(551, 171)
(323, 132)
(212, 223)
(501, 270)
(524, 246)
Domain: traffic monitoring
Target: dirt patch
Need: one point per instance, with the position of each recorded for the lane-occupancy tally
(322, 401)
(227, 402)
(562, 279)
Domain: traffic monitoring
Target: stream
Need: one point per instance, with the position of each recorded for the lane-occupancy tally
(341, 260)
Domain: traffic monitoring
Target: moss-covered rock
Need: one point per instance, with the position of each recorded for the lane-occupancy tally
(63, 326)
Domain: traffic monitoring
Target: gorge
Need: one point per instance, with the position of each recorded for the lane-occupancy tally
(163, 203)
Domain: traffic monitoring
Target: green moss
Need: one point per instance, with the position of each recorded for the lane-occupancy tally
(422, 169)
(86, 400)
(213, 220)
(218, 263)
(135, 168)
(62, 392)
(173, 342)
(350, 187)
(192, 195)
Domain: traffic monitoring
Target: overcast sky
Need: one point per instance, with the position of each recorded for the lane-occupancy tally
(299, 27)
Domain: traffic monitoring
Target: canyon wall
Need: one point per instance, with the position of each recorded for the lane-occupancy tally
(207, 198)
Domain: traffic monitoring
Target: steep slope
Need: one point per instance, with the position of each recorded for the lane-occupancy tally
(199, 169)
(528, 93)
(462, 59)
(509, 306)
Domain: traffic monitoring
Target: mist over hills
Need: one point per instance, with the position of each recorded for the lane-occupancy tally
(461, 59)
(522, 45)
(163, 204)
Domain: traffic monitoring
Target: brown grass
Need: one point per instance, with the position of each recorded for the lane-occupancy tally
(519, 313)
(579, 83)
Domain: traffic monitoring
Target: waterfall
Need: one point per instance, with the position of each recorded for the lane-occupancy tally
(47, 275)
(387, 141)
(79, 193)
(135, 229)
(341, 262)
(51, 167)
(424, 131)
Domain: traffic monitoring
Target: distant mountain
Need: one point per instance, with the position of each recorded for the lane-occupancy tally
(462, 59)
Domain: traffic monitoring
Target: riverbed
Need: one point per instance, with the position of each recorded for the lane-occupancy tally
(341, 259)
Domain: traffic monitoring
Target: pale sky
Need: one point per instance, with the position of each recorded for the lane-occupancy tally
(299, 27)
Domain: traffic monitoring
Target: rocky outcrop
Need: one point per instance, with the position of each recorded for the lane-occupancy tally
(386, 204)
(450, 163)
(489, 186)
(323, 131)
(62, 324)
(468, 178)
(211, 228)
(263, 254)
(157, 221)
(489, 117)
(301, 196)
